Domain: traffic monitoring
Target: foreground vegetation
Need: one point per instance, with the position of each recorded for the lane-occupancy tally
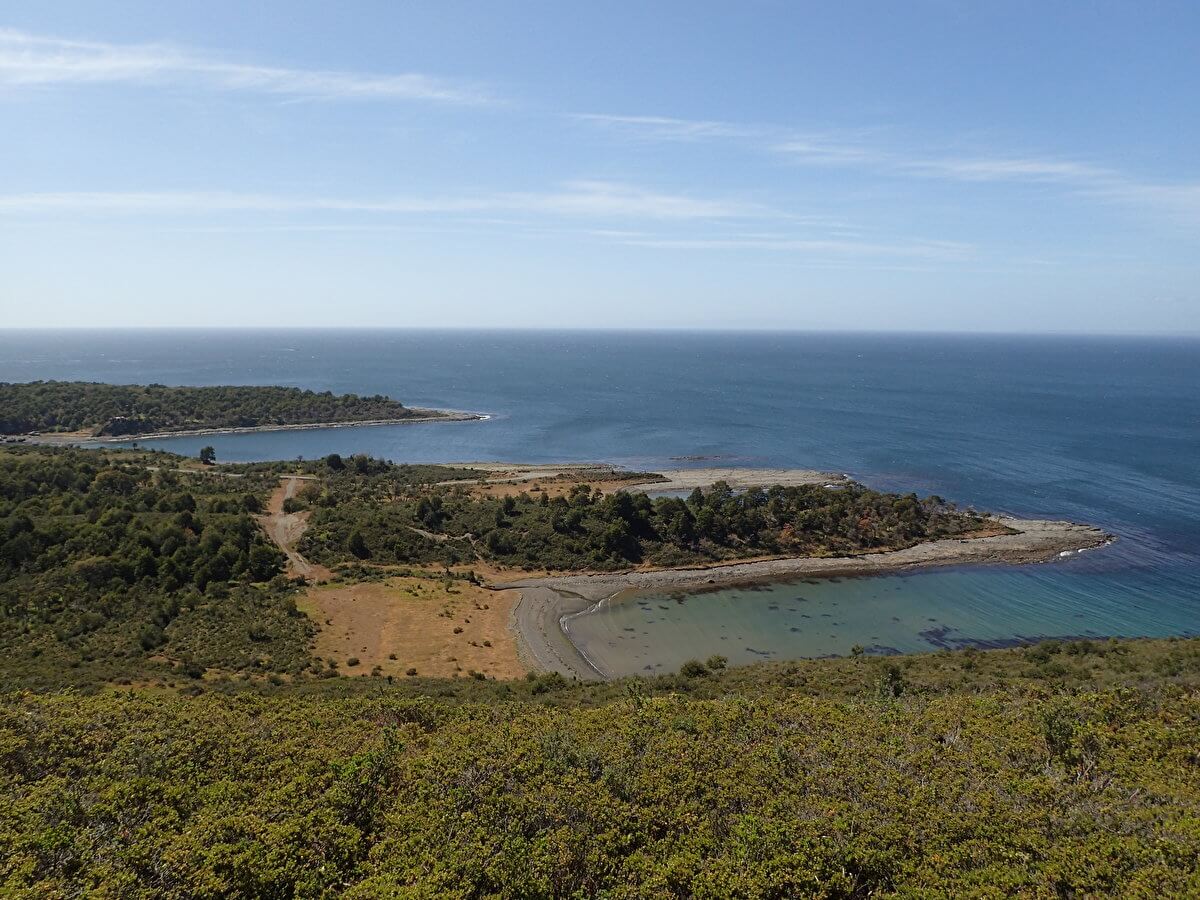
(128, 409)
(165, 730)
(1011, 792)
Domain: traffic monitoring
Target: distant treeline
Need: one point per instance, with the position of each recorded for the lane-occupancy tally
(130, 409)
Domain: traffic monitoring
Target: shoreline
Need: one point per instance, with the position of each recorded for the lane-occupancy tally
(540, 617)
(75, 437)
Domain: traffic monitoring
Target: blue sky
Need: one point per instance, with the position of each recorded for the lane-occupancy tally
(963, 166)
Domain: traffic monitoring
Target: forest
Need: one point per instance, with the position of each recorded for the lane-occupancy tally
(126, 409)
(366, 514)
(121, 563)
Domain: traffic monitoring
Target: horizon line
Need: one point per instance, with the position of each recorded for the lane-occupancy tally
(620, 329)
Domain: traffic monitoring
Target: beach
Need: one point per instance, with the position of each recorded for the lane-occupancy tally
(540, 618)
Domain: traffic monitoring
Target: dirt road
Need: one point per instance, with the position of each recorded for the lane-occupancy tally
(285, 529)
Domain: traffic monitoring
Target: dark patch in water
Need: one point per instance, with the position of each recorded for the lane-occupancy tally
(881, 650)
(760, 652)
(940, 638)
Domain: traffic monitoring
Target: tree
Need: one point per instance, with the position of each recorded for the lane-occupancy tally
(358, 545)
(208, 455)
(264, 562)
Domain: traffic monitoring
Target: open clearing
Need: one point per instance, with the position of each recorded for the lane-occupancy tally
(414, 620)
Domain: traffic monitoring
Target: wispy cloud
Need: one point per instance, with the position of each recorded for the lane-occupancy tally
(576, 199)
(612, 212)
(665, 128)
(1007, 169)
(33, 60)
(864, 151)
(922, 249)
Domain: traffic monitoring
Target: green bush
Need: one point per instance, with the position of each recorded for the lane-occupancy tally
(1001, 794)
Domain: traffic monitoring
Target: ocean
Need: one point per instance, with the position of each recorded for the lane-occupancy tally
(1095, 429)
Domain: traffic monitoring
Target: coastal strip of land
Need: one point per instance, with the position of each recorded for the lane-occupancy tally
(501, 477)
(538, 617)
(82, 437)
(73, 412)
(740, 479)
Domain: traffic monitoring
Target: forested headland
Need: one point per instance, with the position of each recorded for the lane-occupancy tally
(362, 512)
(114, 410)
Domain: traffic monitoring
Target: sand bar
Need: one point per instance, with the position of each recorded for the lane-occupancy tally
(668, 480)
(738, 478)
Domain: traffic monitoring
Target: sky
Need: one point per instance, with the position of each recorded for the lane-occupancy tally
(932, 165)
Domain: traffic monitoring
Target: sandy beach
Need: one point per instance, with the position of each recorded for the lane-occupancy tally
(537, 618)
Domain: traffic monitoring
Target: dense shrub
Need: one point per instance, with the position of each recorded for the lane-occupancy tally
(994, 795)
(115, 561)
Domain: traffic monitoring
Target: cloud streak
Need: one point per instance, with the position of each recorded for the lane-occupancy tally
(575, 199)
(34, 61)
(665, 128)
(941, 250)
(614, 213)
(1180, 202)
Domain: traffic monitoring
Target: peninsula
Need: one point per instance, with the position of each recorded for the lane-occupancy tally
(555, 539)
(64, 411)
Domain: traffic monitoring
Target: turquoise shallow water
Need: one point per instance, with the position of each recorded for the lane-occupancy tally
(994, 606)
(1101, 430)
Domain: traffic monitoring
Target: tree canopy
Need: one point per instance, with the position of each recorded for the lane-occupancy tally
(116, 409)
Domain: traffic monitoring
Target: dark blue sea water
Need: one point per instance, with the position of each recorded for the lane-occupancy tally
(1102, 430)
